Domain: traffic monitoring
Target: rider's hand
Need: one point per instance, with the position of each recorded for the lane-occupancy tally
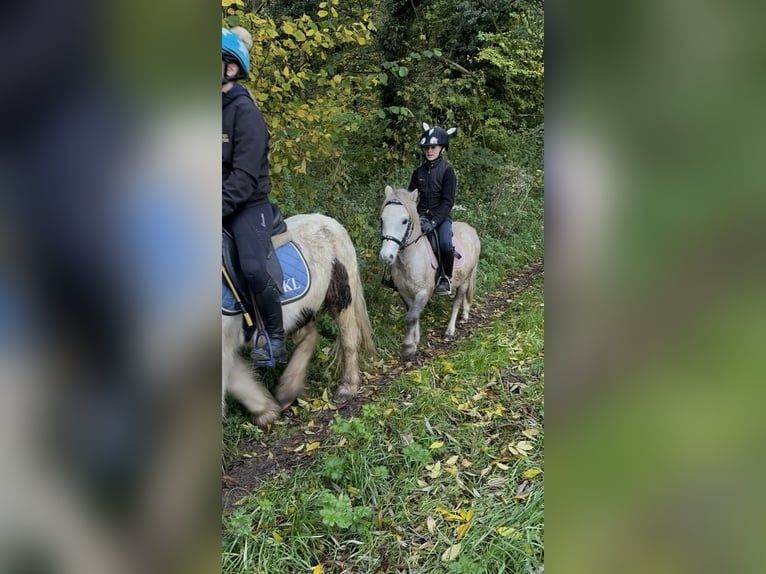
(426, 225)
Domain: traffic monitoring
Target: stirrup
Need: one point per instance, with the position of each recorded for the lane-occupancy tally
(262, 356)
(440, 286)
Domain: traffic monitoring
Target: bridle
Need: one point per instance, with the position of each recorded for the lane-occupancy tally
(402, 243)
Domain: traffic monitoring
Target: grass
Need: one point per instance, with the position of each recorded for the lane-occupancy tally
(443, 473)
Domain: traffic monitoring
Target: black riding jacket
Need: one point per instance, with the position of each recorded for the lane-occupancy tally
(245, 152)
(436, 183)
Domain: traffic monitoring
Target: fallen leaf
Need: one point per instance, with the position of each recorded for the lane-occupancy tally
(505, 531)
(436, 444)
(531, 433)
(531, 473)
(451, 553)
(463, 529)
(318, 569)
(431, 524)
(451, 461)
(524, 445)
(312, 446)
(277, 537)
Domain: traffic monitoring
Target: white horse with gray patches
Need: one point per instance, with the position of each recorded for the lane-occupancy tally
(407, 251)
(335, 284)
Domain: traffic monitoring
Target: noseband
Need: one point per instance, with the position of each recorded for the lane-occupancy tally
(402, 243)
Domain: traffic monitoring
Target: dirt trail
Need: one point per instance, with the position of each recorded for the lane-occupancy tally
(270, 457)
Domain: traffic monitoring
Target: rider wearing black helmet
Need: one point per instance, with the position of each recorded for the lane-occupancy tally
(246, 210)
(436, 183)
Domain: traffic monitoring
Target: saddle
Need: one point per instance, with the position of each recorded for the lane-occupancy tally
(286, 266)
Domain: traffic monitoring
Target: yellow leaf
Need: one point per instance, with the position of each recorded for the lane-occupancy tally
(447, 514)
(451, 461)
(387, 412)
(463, 529)
(299, 448)
(322, 13)
(505, 531)
(334, 12)
(451, 553)
(318, 569)
(524, 445)
(436, 444)
(277, 537)
(436, 470)
(312, 446)
(531, 473)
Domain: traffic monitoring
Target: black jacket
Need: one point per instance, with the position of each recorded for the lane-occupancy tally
(245, 152)
(436, 183)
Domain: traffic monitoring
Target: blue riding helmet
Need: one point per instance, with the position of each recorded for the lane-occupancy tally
(233, 48)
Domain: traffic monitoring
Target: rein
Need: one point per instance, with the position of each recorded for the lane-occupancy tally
(402, 243)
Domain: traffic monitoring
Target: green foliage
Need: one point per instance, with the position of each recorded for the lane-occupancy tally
(417, 454)
(339, 512)
(333, 468)
(517, 56)
(353, 429)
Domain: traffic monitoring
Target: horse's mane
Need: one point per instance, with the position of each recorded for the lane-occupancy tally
(405, 197)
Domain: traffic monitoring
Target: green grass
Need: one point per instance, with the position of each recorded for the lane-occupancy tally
(449, 454)
(435, 462)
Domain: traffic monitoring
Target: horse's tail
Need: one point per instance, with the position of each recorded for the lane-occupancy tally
(360, 312)
(471, 286)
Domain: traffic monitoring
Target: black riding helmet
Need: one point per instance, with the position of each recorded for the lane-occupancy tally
(436, 136)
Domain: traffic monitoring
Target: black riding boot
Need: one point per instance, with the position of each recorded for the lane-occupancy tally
(445, 283)
(271, 312)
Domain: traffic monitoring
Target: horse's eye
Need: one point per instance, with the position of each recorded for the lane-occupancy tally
(404, 221)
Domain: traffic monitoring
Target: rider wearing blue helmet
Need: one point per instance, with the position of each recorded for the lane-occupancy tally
(247, 211)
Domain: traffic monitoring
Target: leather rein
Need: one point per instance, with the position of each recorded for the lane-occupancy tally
(402, 243)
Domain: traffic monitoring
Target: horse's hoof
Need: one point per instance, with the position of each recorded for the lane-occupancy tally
(265, 419)
(343, 395)
(409, 356)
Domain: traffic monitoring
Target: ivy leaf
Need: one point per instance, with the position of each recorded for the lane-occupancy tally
(403, 71)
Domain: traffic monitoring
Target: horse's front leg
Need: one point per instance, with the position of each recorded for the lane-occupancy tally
(412, 325)
(292, 381)
(238, 379)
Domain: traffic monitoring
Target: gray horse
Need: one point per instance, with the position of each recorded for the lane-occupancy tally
(407, 251)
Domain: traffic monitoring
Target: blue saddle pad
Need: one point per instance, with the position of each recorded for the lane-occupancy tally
(296, 280)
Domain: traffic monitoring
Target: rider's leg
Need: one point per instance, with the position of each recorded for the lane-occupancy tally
(447, 257)
(252, 233)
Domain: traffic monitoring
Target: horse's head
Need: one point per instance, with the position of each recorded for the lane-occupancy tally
(399, 222)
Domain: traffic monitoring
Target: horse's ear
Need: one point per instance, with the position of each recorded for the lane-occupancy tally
(426, 127)
(389, 191)
(451, 131)
(414, 194)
